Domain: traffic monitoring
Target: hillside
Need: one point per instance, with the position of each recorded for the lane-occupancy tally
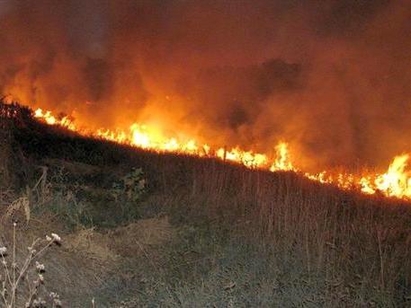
(143, 229)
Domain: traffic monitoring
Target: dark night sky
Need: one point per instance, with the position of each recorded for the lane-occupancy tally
(332, 77)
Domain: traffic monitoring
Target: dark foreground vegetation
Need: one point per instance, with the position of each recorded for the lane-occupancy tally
(142, 229)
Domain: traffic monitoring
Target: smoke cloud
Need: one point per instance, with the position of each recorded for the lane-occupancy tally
(331, 77)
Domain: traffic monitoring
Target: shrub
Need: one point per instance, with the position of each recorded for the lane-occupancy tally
(130, 187)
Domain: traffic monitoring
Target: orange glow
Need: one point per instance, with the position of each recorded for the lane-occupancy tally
(396, 182)
(51, 120)
(282, 161)
(247, 158)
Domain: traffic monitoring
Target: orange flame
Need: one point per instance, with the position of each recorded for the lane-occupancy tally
(282, 161)
(396, 182)
(51, 120)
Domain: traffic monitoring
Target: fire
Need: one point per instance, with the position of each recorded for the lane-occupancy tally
(148, 138)
(51, 120)
(247, 158)
(282, 161)
(48, 117)
(396, 182)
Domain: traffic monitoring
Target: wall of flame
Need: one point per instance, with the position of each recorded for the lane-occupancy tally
(395, 182)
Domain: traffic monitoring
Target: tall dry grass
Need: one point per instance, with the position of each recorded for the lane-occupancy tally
(6, 176)
(12, 164)
(357, 246)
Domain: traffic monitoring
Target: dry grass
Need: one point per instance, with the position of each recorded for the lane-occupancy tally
(210, 234)
(122, 242)
(135, 238)
(6, 154)
(354, 248)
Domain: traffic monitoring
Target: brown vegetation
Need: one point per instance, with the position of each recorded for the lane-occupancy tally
(204, 233)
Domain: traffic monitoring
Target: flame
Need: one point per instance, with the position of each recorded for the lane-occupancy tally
(396, 182)
(51, 120)
(247, 158)
(282, 161)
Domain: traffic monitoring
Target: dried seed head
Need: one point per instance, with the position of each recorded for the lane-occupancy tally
(56, 238)
(40, 267)
(56, 299)
(39, 303)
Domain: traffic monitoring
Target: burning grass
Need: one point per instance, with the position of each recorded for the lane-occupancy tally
(208, 233)
(395, 182)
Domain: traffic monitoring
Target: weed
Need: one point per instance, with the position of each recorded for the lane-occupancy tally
(127, 191)
(52, 193)
(130, 187)
(24, 282)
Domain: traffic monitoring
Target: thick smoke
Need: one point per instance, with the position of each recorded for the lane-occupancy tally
(331, 77)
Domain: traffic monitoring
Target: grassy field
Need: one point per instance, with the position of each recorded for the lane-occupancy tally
(140, 229)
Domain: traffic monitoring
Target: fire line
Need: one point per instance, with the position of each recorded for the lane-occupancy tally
(395, 182)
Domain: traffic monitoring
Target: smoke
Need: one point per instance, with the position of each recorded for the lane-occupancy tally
(330, 77)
